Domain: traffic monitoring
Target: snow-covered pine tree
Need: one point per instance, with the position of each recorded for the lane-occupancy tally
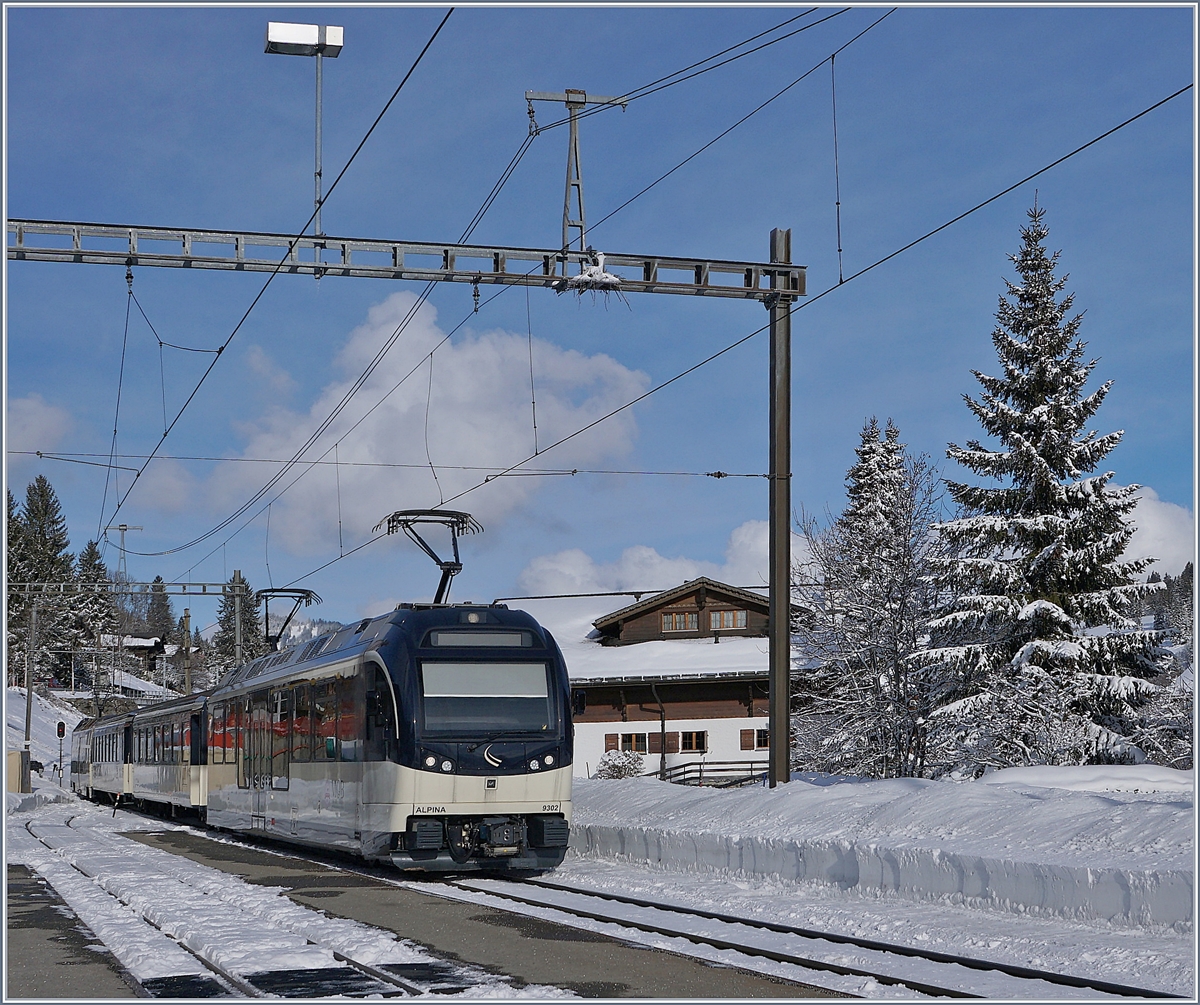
(1049, 669)
(95, 613)
(43, 557)
(17, 571)
(861, 699)
(160, 613)
(220, 656)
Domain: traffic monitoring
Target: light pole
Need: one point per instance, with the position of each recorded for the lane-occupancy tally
(286, 39)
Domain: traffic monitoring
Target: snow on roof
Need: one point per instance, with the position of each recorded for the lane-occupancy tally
(570, 622)
(123, 680)
(129, 641)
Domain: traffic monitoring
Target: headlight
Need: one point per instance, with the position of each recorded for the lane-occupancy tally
(447, 765)
(534, 764)
(549, 759)
(430, 761)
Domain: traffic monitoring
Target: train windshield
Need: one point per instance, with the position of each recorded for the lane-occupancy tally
(473, 697)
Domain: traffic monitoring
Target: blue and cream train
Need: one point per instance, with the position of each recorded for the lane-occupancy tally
(436, 737)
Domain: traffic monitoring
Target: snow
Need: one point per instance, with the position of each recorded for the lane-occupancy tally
(1076, 869)
(1122, 857)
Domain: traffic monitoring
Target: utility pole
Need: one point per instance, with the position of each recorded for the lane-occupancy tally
(122, 566)
(237, 616)
(26, 781)
(574, 217)
(317, 40)
(187, 651)
(780, 551)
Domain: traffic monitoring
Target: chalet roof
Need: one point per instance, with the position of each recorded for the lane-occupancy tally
(668, 596)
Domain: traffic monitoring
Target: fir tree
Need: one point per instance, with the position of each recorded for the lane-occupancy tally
(95, 611)
(39, 531)
(862, 696)
(160, 614)
(1048, 665)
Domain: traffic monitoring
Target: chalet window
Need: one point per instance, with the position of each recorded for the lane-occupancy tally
(681, 622)
(695, 741)
(634, 741)
(656, 742)
(726, 619)
(755, 739)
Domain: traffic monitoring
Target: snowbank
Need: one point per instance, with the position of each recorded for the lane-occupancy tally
(1015, 845)
(43, 746)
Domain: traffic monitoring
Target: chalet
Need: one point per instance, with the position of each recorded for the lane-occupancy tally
(691, 695)
(702, 608)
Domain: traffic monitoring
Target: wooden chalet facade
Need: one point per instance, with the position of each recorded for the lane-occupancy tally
(701, 608)
(686, 685)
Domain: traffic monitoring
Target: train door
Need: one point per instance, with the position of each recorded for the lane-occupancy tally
(260, 757)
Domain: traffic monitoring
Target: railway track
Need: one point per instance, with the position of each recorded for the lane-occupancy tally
(261, 936)
(926, 972)
(813, 950)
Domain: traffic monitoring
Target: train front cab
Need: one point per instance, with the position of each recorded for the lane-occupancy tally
(484, 745)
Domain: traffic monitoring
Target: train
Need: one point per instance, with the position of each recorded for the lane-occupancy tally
(436, 737)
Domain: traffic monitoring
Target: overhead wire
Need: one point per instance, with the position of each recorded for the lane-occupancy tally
(505, 175)
(861, 272)
(424, 295)
(337, 464)
(797, 307)
(117, 410)
(275, 272)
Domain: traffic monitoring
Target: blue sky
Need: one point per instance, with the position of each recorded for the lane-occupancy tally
(176, 117)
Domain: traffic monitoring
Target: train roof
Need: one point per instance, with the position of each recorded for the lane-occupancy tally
(352, 639)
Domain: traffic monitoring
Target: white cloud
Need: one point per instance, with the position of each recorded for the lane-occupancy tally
(277, 379)
(478, 416)
(1164, 531)
(166, 486)
(642, 568)
(32, 424)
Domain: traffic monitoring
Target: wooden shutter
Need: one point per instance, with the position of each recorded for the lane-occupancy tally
(654, 743)
(747, 736)
(611, 742)
(672, 743)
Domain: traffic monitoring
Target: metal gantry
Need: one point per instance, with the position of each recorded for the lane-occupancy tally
(246, 251)
(776, 284)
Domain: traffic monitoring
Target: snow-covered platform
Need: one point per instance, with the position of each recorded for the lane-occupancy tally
(1111, 844)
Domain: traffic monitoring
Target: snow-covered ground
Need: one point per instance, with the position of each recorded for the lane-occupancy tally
(1042, 831)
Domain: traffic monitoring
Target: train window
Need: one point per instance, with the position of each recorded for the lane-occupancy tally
(281, 737)
(469, 639)
(185, 740)
(241, 728)
(216, 735)
(302, 725)
(324, 716)
(380, 718)
(349, 722)
(468, 697)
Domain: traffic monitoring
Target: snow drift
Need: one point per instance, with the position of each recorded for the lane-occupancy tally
(1123, 857)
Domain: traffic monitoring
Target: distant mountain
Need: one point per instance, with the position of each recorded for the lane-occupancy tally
(302, 629)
